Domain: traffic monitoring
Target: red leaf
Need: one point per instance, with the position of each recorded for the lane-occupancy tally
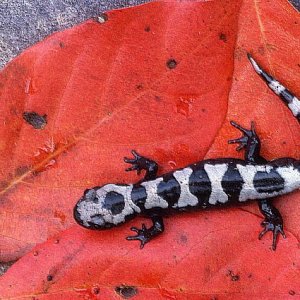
(164, 79)
(200, 256)
(106, 91)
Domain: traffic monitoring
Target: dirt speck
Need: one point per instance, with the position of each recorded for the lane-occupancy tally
(102, 18)
(233, 276)
(223, 37)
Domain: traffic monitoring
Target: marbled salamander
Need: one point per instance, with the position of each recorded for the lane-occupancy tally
(209, 183)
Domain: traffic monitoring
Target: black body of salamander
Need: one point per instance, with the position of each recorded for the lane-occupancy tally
(205, 184)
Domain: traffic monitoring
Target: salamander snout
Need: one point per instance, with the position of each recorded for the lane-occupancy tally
(104, 207)
(89, 213)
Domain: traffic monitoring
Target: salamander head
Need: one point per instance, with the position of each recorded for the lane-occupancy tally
(105, 207)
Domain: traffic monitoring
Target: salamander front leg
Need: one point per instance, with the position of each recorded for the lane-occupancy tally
(140, 163)
(250, 141)
(273, 221)
(145, 234)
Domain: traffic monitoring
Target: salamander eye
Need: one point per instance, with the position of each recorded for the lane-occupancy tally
(90, 195)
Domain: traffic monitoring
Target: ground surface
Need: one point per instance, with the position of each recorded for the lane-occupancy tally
(25, 22)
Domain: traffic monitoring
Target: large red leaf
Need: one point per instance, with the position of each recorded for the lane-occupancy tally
(221, 257)
(107, 88)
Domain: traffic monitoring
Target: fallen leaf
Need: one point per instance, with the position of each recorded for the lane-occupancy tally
(165, 79)
(203, 255)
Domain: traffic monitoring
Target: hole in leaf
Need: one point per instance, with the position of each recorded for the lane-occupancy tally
(35, 120)
(126, 292)
(171, 63)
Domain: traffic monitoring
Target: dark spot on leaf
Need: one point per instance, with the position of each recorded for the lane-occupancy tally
(234, 277)
(35, 120)
(49, 277)
(4, 184)
(102, 18)
(147, 28)
(157, 98)
(203, 110)
(223, 37)
(171, 63)
(96, 290)
(21, 170)
(61, 45)
(56, 241)
(139, 86)
(292, 293)
(126, 292)
(183, 239)
(35, 253)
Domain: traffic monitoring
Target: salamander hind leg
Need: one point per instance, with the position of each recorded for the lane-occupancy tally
(272, 222)
(250, 141)
(144, 235)
(140, 163)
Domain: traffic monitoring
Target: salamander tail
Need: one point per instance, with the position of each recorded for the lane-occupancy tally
(287, 97)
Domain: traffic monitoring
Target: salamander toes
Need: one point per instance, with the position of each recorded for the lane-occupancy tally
(276, 227)
(142, 235)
